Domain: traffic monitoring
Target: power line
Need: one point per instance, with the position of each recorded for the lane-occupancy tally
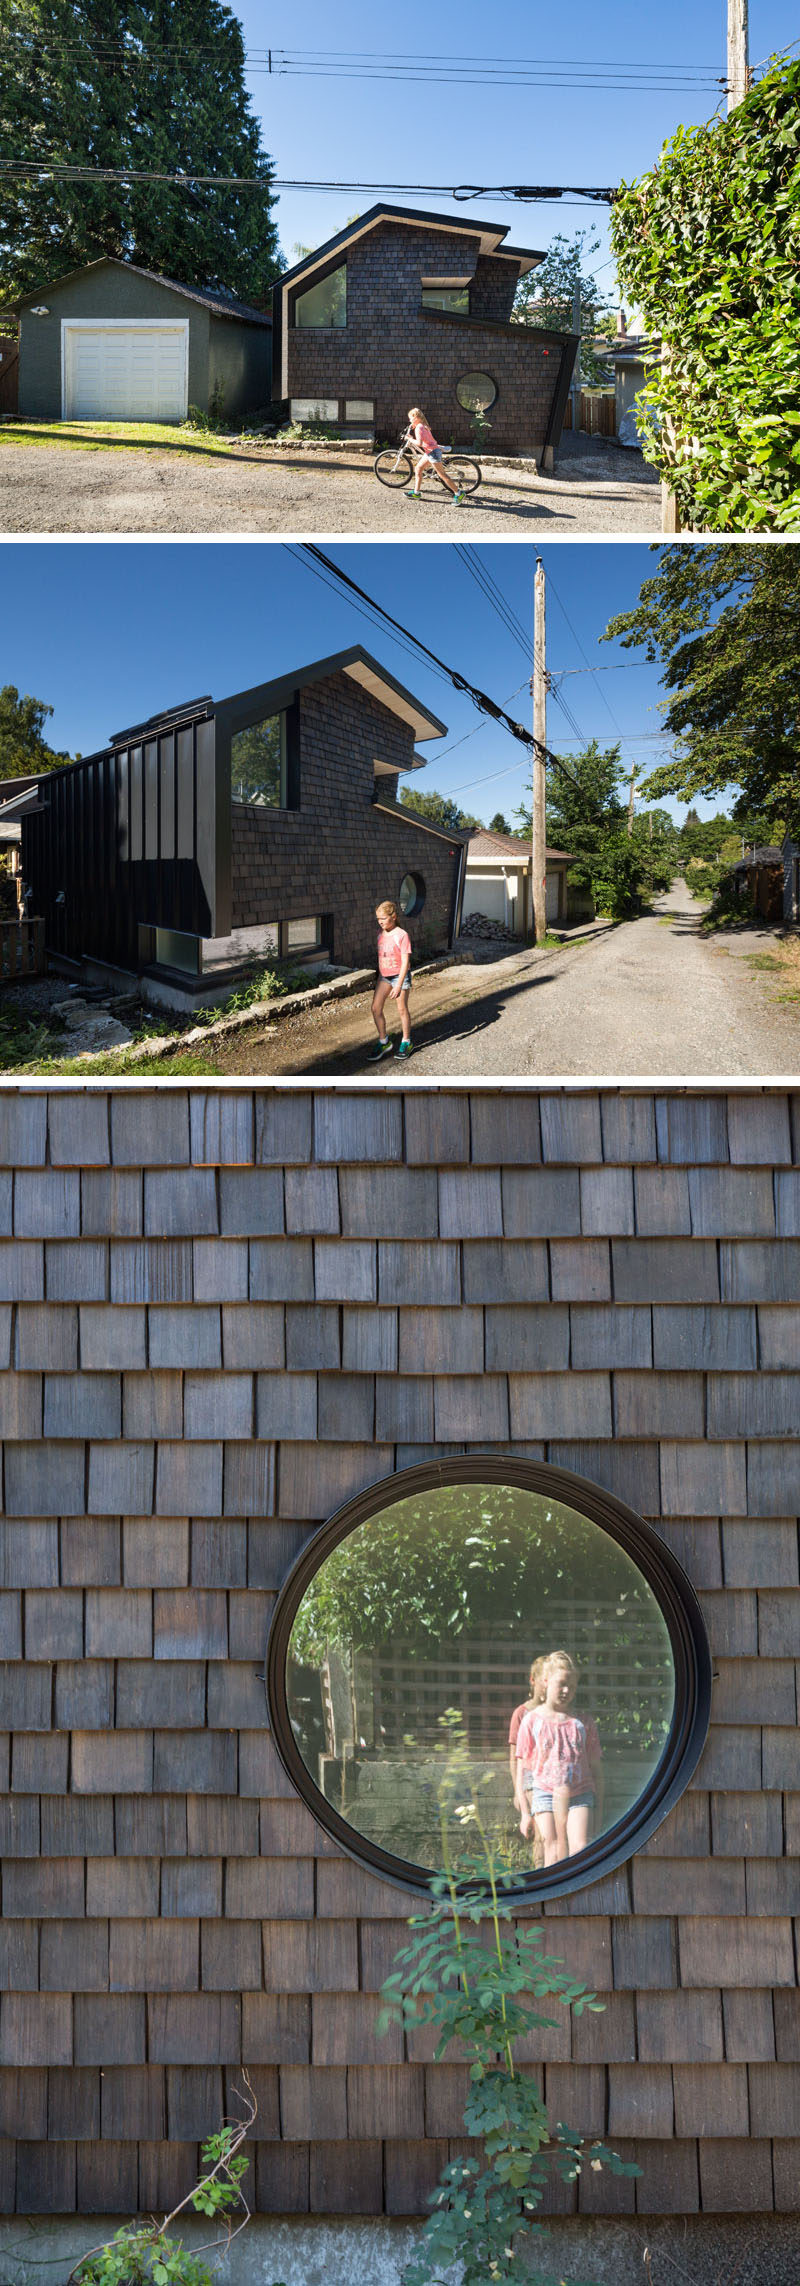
(535, 194)
(436, 70)
(504, 611)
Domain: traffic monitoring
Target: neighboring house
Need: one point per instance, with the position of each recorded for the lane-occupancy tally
(116, 343)
(403, 309)
(759, 879)
(263, 822)
(498, 882)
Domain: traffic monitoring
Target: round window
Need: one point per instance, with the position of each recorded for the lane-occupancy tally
(412, 894)
(492, 1644)
(476, 392)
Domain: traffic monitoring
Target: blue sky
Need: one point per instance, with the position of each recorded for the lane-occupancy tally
(377, 131)
(108, 633)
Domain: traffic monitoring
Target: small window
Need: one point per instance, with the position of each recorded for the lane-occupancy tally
(314, 408)
(326, 303)
(258, 763)
(412, 894)
(359, 409)
(169, 948)
(476, 392)
(452, 298)
(301, 936)
(532, 1605)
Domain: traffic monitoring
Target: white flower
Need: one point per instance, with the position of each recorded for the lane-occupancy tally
(597, 2166)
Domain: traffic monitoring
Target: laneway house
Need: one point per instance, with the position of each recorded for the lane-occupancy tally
(267, 822)
(403, 309)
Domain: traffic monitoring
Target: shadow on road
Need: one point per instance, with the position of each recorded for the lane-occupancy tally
(461, 1024)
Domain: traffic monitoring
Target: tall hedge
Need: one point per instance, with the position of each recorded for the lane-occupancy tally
(708, 247)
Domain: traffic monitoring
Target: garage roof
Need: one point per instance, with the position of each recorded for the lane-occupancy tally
(212, 298)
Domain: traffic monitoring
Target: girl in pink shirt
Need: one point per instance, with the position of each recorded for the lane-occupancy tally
(394, 978)
(431, 456)
(561, 1764)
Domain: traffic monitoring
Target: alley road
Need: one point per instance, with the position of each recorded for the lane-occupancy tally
(650, 998)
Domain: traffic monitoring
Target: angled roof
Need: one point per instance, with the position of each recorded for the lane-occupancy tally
(491, 235)
(211, 298)
(360, 665)
(505, 846)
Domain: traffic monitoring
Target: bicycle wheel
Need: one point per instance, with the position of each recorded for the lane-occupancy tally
(393, 468)
(465, 474)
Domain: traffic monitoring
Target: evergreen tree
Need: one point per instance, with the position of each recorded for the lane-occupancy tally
(23, 748)
(153, 85)
(587, 815)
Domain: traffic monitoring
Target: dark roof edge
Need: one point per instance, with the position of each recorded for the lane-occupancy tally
(469, 229)
(206, 296)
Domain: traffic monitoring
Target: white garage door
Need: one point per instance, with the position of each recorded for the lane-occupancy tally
(125, 372)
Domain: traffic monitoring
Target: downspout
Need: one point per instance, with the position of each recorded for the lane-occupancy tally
(455, 930)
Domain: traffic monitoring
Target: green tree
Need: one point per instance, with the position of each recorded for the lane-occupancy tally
(587, 815)
(439, 809)
(708, 246)
(545, 296)
(722, 623)
(152, 85)
(23, 748)
(499, 823)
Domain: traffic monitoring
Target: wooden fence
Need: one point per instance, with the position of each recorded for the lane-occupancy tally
(21, 948)
(9, 373)
(598, 413)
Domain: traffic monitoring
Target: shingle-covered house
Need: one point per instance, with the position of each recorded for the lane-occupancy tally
(264, 822)
(404, 308)
(224, 1313)
(117, 343)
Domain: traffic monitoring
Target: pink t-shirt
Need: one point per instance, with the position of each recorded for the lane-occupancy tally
(513, 1728)
(394, 946)
(424, 437)
(556, 1753)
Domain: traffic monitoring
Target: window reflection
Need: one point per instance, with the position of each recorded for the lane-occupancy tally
(525, 1617)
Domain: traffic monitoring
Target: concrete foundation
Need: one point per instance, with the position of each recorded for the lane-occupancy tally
(699, 2250)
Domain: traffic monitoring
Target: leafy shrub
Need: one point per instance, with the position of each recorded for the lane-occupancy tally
(482, 1995)
(145, 2254)
(708, 246)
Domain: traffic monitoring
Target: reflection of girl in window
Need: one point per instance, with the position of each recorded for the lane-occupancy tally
(534, 1699)
(561, 1766)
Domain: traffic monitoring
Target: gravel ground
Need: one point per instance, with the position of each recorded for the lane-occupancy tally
(649, 998)
(56, 488)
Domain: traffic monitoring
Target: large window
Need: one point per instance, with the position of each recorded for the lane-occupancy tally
(325, 303)
(521, 1610)
(258, 763)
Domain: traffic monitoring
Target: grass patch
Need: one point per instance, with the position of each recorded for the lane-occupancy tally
(100, 436)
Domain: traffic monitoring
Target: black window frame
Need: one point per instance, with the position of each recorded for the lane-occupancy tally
(679, 1608)
(300, 291)
(474, 410)
(410, 912)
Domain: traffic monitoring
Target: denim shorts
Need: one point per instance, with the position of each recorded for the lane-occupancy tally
(392, 980)
(542, 1801)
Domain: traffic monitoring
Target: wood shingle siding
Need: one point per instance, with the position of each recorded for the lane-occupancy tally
(222, 1314)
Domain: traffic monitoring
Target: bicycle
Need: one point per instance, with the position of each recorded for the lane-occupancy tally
(397, 468)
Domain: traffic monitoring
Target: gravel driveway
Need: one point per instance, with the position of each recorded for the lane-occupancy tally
(651, 998)
(57, 488)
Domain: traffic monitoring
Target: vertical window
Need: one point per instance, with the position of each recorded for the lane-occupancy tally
(258, 763)
(326, 303)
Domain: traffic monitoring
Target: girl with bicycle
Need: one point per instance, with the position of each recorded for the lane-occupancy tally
(431, 456)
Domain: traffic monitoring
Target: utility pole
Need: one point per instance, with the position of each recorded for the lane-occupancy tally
(575, 389)
(630, 800)
(738, 53)
(538, 847)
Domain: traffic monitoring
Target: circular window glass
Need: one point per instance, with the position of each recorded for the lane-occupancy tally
(412, 894)
(476, 392)
(496, 1645)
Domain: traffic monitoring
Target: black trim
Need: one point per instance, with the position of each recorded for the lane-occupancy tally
(659, 1567)
(558, 408)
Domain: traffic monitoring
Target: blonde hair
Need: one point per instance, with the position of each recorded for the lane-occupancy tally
(556, 1659)
(536, 1679)
(416, 413)
(388, 906)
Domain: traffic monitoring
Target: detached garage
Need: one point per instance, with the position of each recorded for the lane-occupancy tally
(115, 343)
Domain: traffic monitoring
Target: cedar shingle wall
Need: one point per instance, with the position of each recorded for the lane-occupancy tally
(607, 1280)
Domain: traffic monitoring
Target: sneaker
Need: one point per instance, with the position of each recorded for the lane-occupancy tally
(384, 1048)
(409, 493)
(405, 1048)
(457, 498)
